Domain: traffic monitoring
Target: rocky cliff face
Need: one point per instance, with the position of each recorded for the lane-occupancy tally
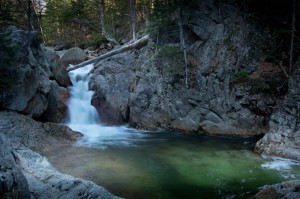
(283, 138)
(226, 92)
(35, 81)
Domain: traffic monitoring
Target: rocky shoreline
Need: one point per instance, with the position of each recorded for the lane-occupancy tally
(24, 173)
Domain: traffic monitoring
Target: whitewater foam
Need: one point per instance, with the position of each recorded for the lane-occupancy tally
(84, 118)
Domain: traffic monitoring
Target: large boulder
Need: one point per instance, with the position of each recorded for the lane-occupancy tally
(28, 75)
(57, 109)
(73, 55)
(112, 88)
(23, 131)
(283, 138)
(58, 71)
(13, 184)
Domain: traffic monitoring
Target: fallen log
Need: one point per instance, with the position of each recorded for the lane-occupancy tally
(136, 44)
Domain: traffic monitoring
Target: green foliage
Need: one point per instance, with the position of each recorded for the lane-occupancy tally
(97, 38)
(241, 75)
(170, 61)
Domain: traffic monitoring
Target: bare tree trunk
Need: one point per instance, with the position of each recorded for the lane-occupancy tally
(133, 20)
(102, 22)
(29, 15)
(38, 15)
(182, 45)
(136, 44)
(292, 37)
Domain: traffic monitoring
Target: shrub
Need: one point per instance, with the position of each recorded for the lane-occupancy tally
(241, 75)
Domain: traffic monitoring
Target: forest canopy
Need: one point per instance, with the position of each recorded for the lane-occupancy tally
(91, 22)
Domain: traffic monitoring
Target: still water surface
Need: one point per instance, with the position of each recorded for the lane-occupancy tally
(148, 165)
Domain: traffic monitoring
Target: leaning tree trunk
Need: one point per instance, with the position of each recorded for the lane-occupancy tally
(136, 44)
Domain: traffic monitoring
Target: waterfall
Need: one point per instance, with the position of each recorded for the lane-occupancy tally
(81, 112)
(84, 118)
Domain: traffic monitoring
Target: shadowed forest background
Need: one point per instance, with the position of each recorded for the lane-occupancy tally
(91, 22)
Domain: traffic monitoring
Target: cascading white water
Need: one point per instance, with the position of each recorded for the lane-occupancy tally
(81, 112)
(84, 118)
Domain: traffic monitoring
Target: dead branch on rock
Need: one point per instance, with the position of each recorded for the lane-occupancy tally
(136, 44)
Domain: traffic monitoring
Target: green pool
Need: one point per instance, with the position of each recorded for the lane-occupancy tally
(143, 165)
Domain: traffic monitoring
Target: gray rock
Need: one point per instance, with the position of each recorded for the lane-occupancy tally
(148, 90)
(57, 104)
(46, 182)
(112, 88)
(283, 138)
(34, 176)
(13, 184)
(27, 84)
(37, 105)
(73, 56)
(22, 131)
(288, 190)
(58, 71)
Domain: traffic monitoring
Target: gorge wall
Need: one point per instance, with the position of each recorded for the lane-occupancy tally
(234, 88)
(147, 88)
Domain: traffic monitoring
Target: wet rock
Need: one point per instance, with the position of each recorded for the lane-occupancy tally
(46, 182)
(289, 190)
(34, 176)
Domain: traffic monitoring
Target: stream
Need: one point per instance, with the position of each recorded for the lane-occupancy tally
(162, 165)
